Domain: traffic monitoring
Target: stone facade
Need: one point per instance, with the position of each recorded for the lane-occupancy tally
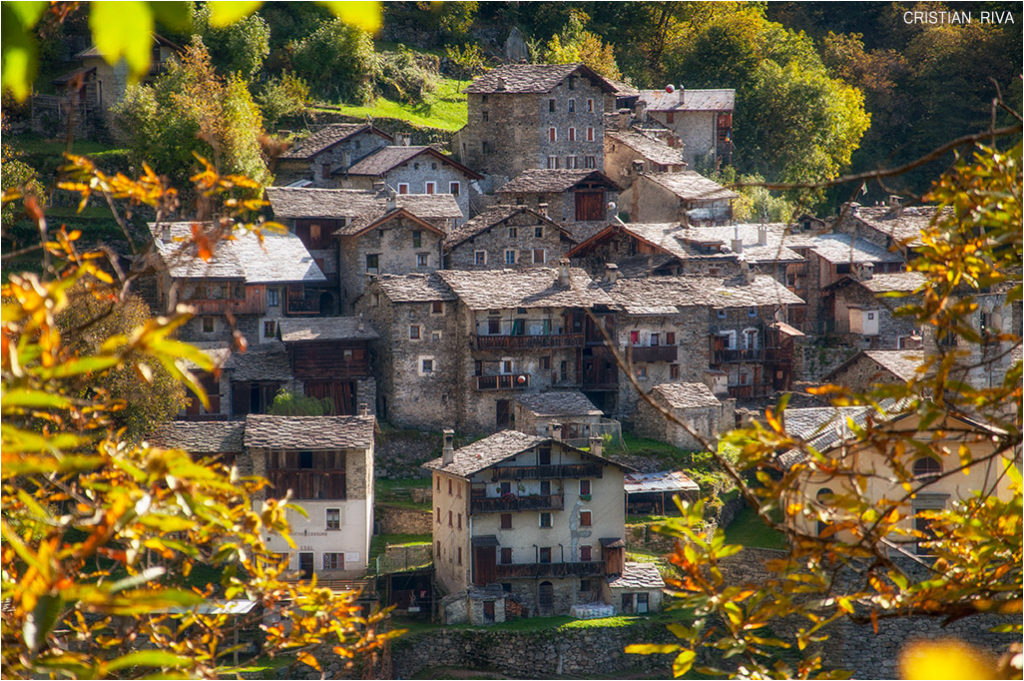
(682, 197)
(701, 118)
(323, 154)
(869, 320)
(707, 420)
(506, 237)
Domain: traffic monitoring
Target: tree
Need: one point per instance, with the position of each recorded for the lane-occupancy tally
(850, 568)
(574, 44)
(238, 48)
(190, 110)
(337, 60)
(101, 535)
(288, 404)
(282, 96)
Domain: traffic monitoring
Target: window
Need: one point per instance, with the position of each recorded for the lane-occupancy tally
(493, 326)
(414, 332)
(670, 117)
(641, 373)
(270, 329)
(552, 134)
(458, 494)
(438, 509)
(454, 188)
(209, 326)
(730, 339)
(479, 257)
(538, 256)
(458, 521)
(544, 456)
(572, 162)
(513, 233)
(552, 163)
(437, 549)
(545, 554)
(449, 492)
(273, 297)
(538, 232)
(590, 106)
(545, 488)
(439, 483)
(572, 106)
(510, 256)
(750, 339)
(372, 263)
(433, 166)
(927, 467)
(459, 560)
(422, 259)
(334, 519)
(483, 115)
(584, 518)
(426, 366)
(417, 238)
(590, 134)
(673, 371)
(721, 314)
(334, 561)
(551, 105)
(403, 187)
(751, 311)
(572, 82)
(437, 307)
(325, 170)
(506, 556)
(589, 162)
(429, 187)
(506, 521)
(634, 338)
(507, 366)
(585, 554)
(451, 522)
(642, 604)
(485, 147)
(545, 520)
(572, 134)
(545, 362)
(655, 338)
(670, 338)
(584, 488)
(505, 488)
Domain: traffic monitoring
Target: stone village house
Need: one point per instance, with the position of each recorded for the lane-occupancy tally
(701, 118)
(685, 197)
(315, 159)
(627, 153)
(692, 403)
(506, 236)
(527, 523)
(579, 200)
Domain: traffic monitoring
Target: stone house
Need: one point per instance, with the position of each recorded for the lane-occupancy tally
(684, 197)
(579, 200)
(692, 403)
(506, 236)
(701, 118)
(246, 285)
(869, 368)
(542, 519)
(862, 308)
(417, 370)
(630, 152)
(256, 376)
(564, 414)
(632, 250)
(637, 590)
(893, 227)
(331, 148)
(529, 116)
(327, 463)
(412, 170)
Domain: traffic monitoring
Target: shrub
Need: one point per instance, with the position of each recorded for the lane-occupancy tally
(338, 61)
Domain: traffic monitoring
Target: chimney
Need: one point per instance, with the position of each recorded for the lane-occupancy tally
(641, 110)
(682, 94)
(404, 139)
(866, 271)
(596, 444)
(745, 270)
(378, 187)
(500, 86)
(555, 430)
(364, 409)
(542, 208)
(737, 242)
(762, 235)
(391, 203)
(611, 272)
(165, 232)
(448, 451)
(362, 326)
(563, 273)
(638, 166)
(623, 121)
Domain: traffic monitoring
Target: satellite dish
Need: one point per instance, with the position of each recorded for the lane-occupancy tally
(670, 88)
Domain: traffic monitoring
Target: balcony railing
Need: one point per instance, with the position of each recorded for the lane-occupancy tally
(654, 353)
(591, 568)
(302, 306)
(250, 305)
(559, 340)
(503, 382)
(511, 502)
(753, 355)
(584, 470)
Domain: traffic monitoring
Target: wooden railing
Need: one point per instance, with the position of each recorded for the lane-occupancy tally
(579, 569)
(251, 305)
(654, 353)
(503, 382)
(584, 470)
(561, 340)
(511, 502)
(726, 356)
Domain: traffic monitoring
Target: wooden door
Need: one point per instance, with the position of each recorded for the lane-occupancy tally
(589, 206)
(306, 565)
(545, 598)
(484, 565)
(503, 416)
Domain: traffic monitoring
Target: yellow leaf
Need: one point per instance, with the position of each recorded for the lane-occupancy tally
(944, 659)
(226, 13)
(307, 658)
(123, 30)
(364, 15)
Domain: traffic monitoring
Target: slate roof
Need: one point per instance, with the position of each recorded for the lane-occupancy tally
(659, 234)
(531, 78)
(843, 248)
(693, 100)
(903, 364)
(359, 206)
(559, 403)
(386, 158)
(651, 149)
(550, 181)
(309, 432)
(218, 351)
(327, 137)
(901, 223)
(263, 362)
(902, 282)
(773, 251)
(638, 576)
(281, 258)
(414, 288)
(690, 185)
(495, 215)
(825, 427)
(200, 437)
(326, 329)
(531, 287)
(667, 294)
(660, 481)
(686, 395)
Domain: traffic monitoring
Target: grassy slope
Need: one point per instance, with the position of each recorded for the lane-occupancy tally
(444, 108)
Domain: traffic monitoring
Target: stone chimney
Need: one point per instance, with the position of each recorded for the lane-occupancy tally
(682, 95)
(623, 119)
(364, 409)
(611, 272)
(762, 235)
(746, 270)
(165, 232)
(404, 139)
(362, 325)
(563, 273)
(448, 451)
(596, 444)
(641, 110)
(392, 202)
(865, 271)
(637, 166)
(542, 208)
(737, 242)
(500, 86)
(378, 186)
(555, 430)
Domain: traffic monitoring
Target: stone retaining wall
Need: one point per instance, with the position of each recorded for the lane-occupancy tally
(399, 520)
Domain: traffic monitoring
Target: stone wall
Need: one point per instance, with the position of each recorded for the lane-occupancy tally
(812, 361)
(400, 453)
(399, 520)
(498, 239)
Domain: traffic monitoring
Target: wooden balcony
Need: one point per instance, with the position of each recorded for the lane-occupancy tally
(297, 306)
(585, 470)
(654, 353)
(591, 568)
(562, 340)
(250, 305)
(730, 356)
(511, 502)
(503, 382)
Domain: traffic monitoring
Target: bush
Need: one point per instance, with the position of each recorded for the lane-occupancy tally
(283, 96)
(338, 61)
(289, 404)
(405, 76)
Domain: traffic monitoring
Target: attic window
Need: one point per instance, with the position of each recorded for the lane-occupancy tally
(572, 82)
(551, 105)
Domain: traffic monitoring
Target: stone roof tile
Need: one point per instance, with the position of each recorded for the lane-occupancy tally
(638, 576)
(200, 437)
(531, 287)
(531, 78)
(326, 137)
(414, 288)
(559, 403)
(651, 149)
(691, 100)
(326, 329)
(309, 432)
(550, 181)
(686, 395)
(495, 215)
(691, 186)
(666, 294)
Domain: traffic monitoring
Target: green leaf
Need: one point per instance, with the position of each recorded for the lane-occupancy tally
(364, 15)
(123, 30)
(651, 648)
(136, 580)
(148, 658)
(173, 14)
(683, 662)
(19, 46)
(41, 620)
(226, 13)
(36, 399)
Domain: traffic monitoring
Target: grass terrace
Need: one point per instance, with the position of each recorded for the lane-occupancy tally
(444, 108)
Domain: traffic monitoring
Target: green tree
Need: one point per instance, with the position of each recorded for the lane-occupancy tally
(848, 569)
(285, 95)
(238, 48)
(337, 60)
(574, 44)
(287, 403)
(190, 110)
